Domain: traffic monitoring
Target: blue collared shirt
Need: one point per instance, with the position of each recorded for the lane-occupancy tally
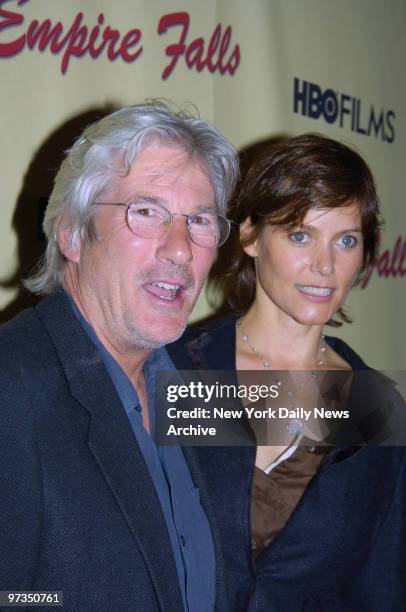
(186, 520)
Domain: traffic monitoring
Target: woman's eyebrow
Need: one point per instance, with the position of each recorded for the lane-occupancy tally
(356, 229)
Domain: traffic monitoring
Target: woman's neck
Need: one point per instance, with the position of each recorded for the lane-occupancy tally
(277, 338)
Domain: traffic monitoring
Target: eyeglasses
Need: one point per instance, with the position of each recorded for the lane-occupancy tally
(150, 220)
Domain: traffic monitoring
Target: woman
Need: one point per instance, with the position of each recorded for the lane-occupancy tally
(304, 527)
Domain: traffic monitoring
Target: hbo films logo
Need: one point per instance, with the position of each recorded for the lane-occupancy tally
(348, 111)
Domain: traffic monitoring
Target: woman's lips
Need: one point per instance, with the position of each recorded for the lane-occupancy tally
(314, 293)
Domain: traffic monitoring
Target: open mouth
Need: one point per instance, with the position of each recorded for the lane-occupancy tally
(315, 291)
(164, 290)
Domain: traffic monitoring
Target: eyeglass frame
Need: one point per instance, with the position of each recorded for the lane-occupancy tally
(171, 217)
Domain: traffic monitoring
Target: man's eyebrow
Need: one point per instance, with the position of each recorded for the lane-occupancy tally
(146, 198)
(205, 208)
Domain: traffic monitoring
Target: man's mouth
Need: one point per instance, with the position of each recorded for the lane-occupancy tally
(164, 290)
(316, 291)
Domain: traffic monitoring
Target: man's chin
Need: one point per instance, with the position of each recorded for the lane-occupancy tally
(172, 333)
(156, 336)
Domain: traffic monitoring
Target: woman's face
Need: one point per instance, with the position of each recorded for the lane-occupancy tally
(306, 273)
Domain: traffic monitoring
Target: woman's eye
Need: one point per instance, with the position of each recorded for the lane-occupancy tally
(299, 237)
(347, 241)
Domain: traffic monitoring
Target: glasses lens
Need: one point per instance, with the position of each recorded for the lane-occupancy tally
(146, 219)
(208, 229)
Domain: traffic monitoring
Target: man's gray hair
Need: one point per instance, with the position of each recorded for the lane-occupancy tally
(106, 150)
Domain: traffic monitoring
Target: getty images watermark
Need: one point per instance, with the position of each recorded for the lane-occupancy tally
(272, 408)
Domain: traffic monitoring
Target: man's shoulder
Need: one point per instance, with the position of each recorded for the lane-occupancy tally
(18, 334)
(28, 339)
(26, 359)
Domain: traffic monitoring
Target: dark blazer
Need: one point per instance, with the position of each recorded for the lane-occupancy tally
(343, 548)
(78, 509)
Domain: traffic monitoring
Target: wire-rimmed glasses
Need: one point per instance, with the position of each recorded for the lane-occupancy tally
(151, 220)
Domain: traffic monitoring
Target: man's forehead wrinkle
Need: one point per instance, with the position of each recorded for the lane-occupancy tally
(180, 159)
(169, 176)
(163, 174)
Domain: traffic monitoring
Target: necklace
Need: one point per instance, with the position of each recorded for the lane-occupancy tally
(266, 363)
(295, 427)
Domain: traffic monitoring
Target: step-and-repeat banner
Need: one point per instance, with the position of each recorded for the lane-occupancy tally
(257, 69)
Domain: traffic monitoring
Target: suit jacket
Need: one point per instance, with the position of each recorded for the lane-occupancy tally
(344, 546)
(78, 511)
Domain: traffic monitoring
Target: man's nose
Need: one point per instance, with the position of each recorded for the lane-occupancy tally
(323, 260)
(176, 245)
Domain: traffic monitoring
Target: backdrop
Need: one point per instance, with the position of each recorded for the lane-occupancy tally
(256, 69)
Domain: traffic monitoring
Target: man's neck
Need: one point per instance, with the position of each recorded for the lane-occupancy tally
(131, 359)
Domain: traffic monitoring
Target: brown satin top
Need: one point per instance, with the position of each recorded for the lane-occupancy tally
(276, 495)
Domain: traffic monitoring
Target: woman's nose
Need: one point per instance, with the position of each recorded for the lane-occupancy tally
(323, 260)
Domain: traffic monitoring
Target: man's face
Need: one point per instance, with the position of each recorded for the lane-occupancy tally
(121, 280)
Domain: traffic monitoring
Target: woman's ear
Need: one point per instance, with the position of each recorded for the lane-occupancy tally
(64, 240)
(246, 232)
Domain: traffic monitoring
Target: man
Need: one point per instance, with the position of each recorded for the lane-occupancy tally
(89, 504)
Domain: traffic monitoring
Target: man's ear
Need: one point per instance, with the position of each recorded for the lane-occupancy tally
(64, 235)
(246, 231)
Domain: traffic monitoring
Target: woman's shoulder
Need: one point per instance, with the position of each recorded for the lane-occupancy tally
(211, 345)
(346, 353)
(207, 345)
(375, 399)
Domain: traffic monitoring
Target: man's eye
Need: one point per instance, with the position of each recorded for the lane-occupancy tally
(144, 211)
(299, 237)
(347, 241)
(200, 220)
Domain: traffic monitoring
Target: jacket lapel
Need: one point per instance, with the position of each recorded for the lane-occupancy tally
(113, 445)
